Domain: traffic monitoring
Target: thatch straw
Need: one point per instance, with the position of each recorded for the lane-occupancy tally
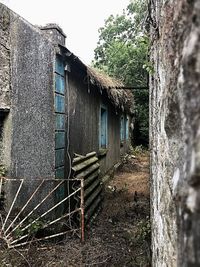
(121, 98)
(103, 80)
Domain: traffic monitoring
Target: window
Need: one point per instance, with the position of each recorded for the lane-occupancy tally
(59, 76)
(59, 102)
(103, 127)
(122, 128)
(127, 128)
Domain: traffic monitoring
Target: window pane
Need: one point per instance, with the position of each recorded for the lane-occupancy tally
(59, 173)
(122, 128)
(127, 128)
(60, 140)
(59, 103)
(103, 128)
(59, 158)
(60, 84)
(60, 66)
(60, 122)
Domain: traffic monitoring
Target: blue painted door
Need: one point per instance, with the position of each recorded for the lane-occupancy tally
(59, 108)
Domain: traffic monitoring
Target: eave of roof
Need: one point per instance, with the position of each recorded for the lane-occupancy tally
(120, 98)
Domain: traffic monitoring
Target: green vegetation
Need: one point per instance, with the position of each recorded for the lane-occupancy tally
(32, 230)
(138, 150)
(2, 171)
(122, 52)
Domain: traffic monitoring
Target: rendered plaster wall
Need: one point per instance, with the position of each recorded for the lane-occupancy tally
(4, 58)
(26, 86)
(5, 139)
(32, 61)
(175, 132)
(5, 119)
(27, 148)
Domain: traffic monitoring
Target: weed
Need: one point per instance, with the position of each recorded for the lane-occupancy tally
(2, 171)
(138, 150)
(144, 230)
(32, 230)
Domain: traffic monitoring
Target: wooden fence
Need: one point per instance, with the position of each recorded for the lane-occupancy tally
(87, 169)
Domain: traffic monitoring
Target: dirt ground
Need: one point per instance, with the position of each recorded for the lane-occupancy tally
(120, 235)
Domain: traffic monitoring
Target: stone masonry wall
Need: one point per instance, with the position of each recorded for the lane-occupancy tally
(175, 132)
(27, 149)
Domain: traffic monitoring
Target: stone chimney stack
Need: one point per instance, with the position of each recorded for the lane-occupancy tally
(55, 33)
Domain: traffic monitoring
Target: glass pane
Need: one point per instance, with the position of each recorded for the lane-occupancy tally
(60, 84)
(127, 128)
(59, 103)
(60, 140)
(122, 128)
(60, 66)
(60, 122)
(103, 130)
(59, 158)
(60, 173)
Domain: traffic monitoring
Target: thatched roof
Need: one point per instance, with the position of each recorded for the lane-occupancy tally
(102, 79)
(121, 98)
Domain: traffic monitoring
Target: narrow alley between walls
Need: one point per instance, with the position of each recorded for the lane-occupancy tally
(119, 236)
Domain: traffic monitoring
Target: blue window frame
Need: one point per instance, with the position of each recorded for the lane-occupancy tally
(59, 76)
(59, 105)
(122, 128)
(60, 67)
(60, 122)
(103, 138)
(59, 84)
(127, 127)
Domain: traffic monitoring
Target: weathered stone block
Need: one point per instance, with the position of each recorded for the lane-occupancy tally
(175, 133)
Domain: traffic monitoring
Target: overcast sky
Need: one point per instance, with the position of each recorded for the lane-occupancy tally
(80, 19)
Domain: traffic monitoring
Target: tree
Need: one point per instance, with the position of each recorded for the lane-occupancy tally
(122, 52)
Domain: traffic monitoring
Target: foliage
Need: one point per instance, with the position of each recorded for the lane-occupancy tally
(32, 230)
(144, 230)
(122, 52)
(138, 150)
(2, 171)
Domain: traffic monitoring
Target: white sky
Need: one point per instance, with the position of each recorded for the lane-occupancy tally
(79, 19)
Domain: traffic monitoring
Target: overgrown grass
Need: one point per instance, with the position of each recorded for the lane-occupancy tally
(138, 150)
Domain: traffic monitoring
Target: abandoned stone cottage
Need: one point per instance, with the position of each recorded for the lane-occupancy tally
(53, 106)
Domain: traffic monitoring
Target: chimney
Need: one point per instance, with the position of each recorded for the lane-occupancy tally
(55, 33)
